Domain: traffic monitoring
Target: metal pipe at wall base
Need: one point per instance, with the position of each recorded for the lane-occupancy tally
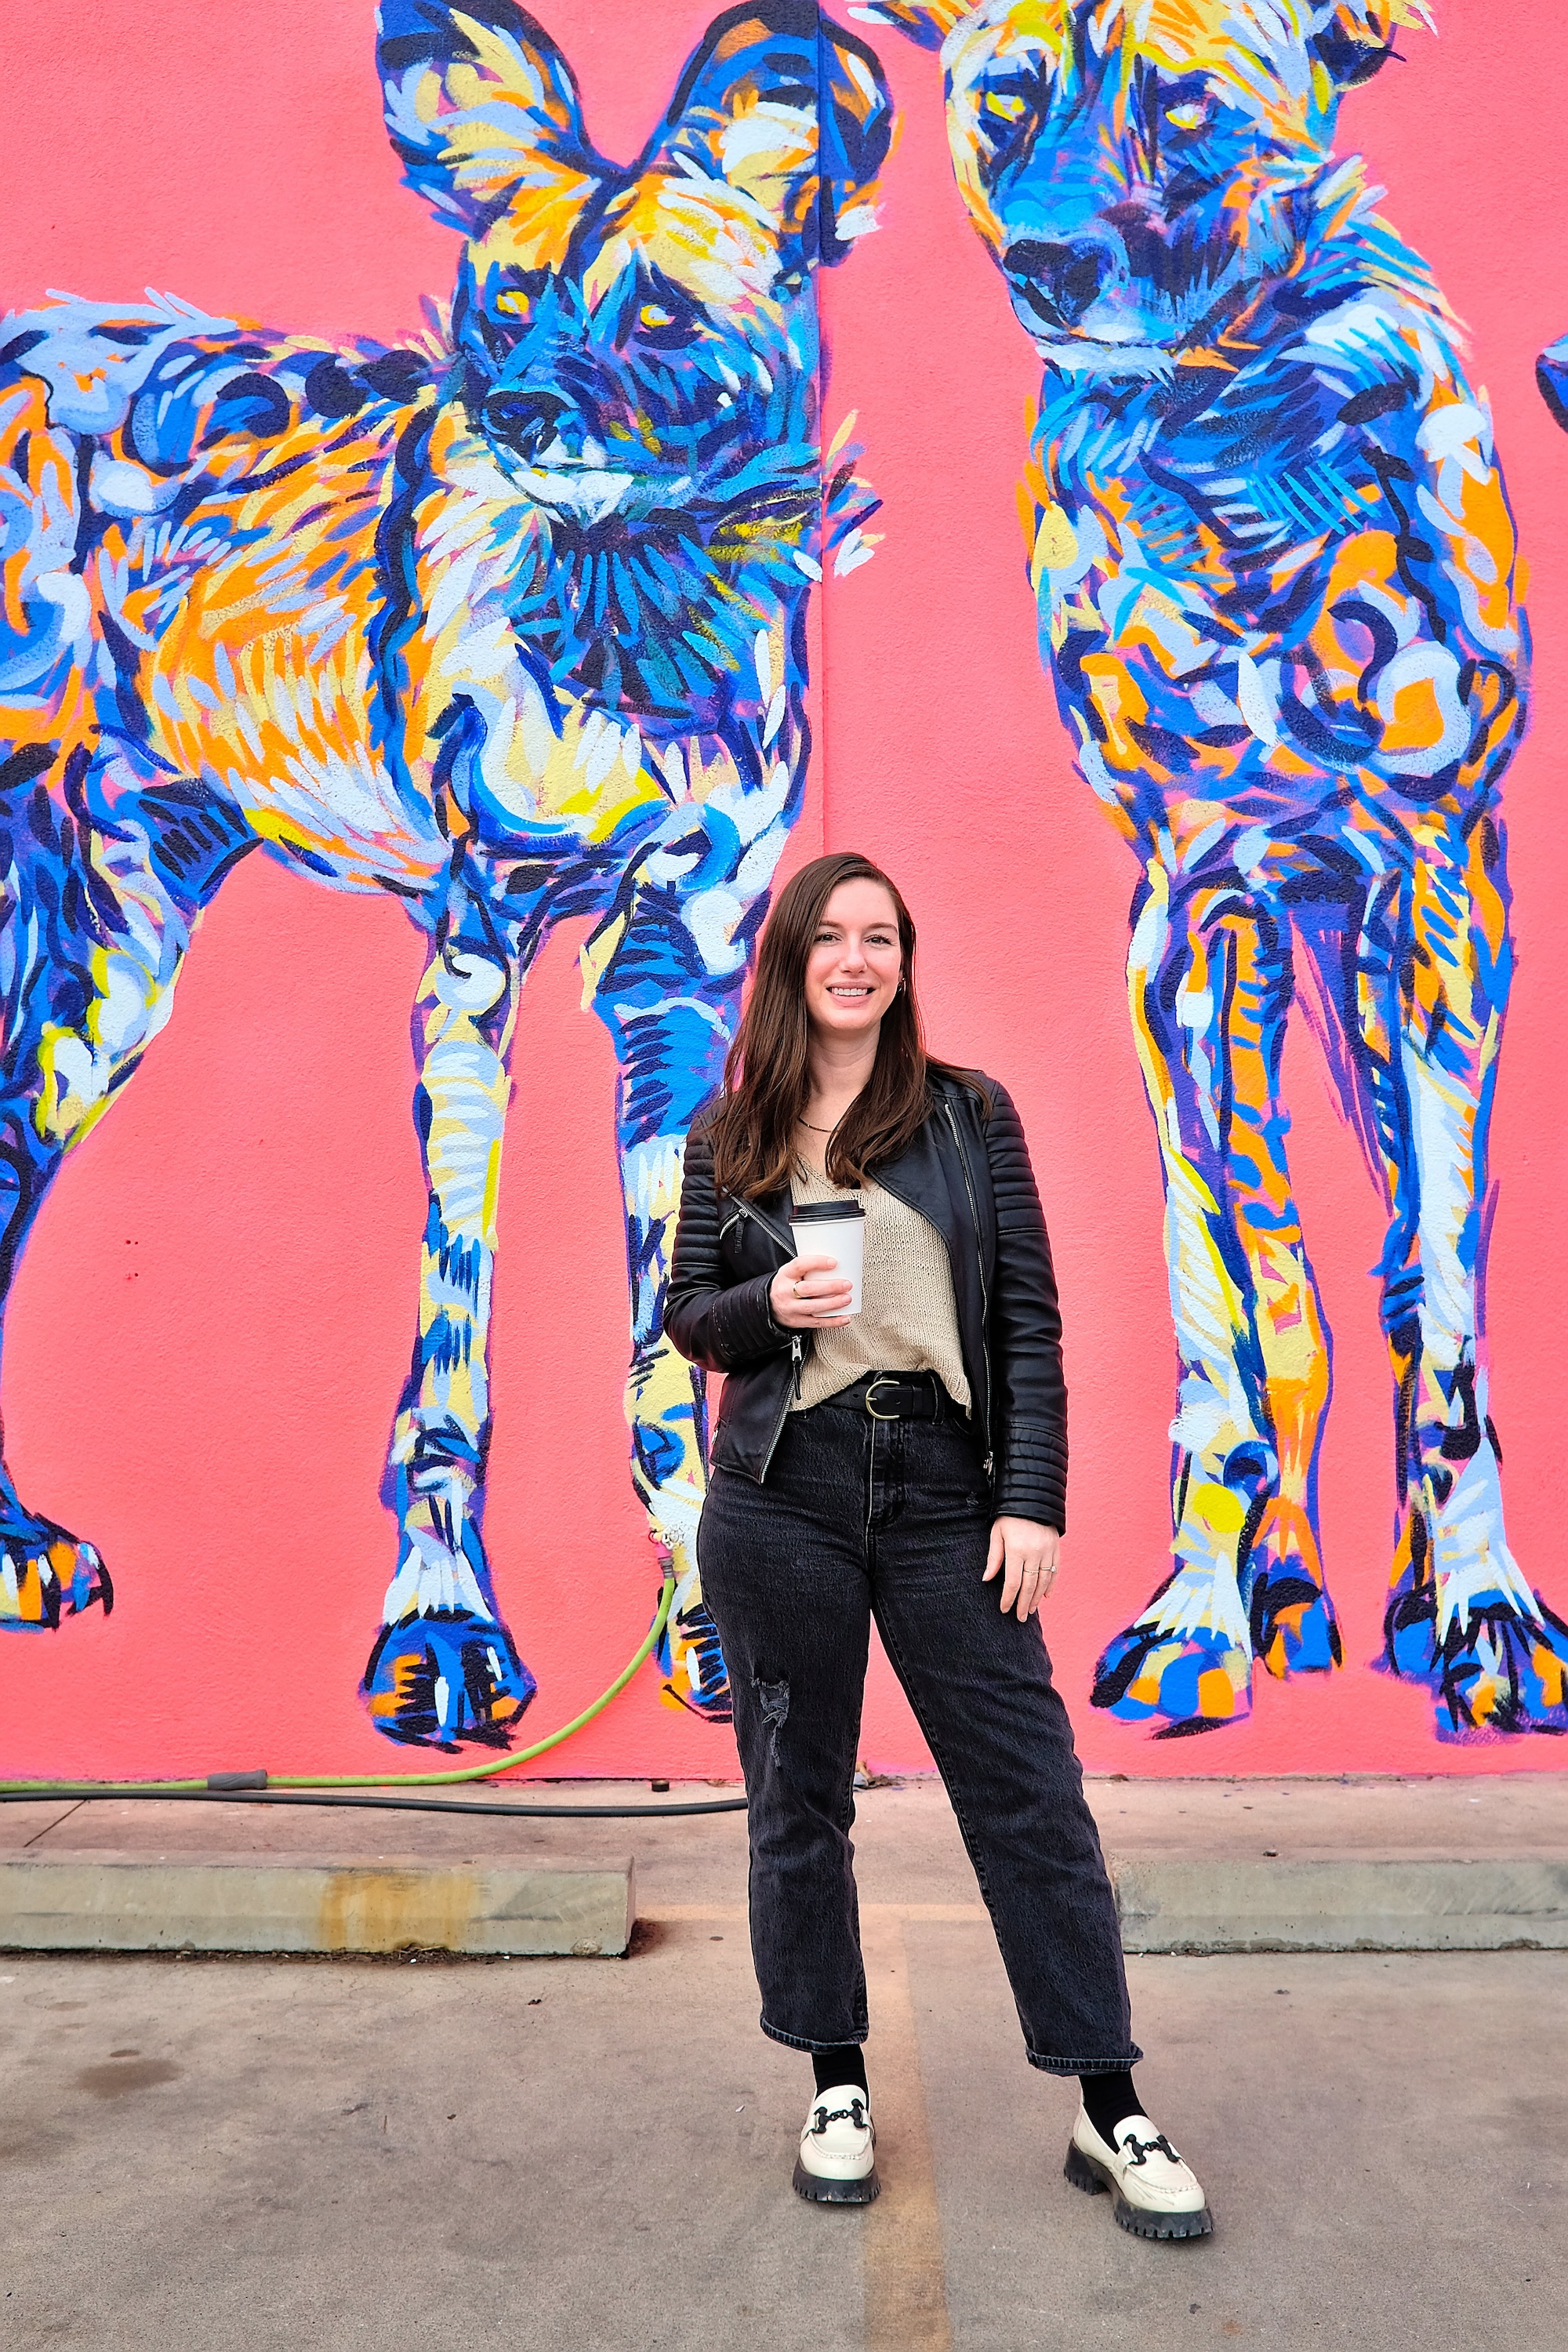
(260, 1788)
(91, 1791)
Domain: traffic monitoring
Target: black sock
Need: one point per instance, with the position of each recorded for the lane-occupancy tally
(1109, 2100)
(844, 2064)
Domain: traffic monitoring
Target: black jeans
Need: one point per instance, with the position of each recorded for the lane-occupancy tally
(892, 1519)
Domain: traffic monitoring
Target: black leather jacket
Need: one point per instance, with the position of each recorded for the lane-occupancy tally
(969, 1176)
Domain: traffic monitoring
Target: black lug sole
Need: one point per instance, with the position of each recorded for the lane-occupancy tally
(818, 2191)
(1094, 2180)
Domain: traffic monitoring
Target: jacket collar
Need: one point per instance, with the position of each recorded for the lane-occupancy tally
(925, 1176)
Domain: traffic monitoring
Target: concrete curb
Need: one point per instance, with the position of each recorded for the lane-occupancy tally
(1212, 1907)
(218, 1903)
(116, 1902)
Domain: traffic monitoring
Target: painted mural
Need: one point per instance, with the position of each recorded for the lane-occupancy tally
(1275, 565)
(509, 622)
(503, 601)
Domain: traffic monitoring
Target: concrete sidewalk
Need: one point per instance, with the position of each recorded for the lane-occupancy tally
(263, 2154)
(1201, 1867)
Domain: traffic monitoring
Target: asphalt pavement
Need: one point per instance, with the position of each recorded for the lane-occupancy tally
(203, 2154)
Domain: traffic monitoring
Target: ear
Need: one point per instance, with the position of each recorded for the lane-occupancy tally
(1356, 37)
(791, 112)
(485, 114)
(928, 22)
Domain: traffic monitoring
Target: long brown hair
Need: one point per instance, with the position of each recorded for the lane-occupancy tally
(767, 1075)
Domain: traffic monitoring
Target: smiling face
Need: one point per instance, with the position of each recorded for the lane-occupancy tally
(855, 963)
(1136, 167)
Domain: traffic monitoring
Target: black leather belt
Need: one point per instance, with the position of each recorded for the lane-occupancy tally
(898, 1396)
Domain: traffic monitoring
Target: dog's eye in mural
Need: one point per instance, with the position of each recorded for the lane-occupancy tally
(508, 624)
(1274, 562)
(667, 324)
(517, 301)
(1184, 112)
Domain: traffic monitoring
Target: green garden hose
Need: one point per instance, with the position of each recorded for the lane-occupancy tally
(315, 1787)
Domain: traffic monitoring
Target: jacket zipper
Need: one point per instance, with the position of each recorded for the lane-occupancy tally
(978, 1252)
(743, 1209)
(746, 1209)
(973, 1209)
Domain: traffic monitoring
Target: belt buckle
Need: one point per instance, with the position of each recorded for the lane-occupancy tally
(883, 1379)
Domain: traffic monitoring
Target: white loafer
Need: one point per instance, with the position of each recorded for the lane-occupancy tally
(1156, 2195)
(837, 2159)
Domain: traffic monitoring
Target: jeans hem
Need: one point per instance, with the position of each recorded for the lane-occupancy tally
(1085, 2065)
(798, 2041)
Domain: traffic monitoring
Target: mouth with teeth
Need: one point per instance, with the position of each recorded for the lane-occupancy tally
(583, 487)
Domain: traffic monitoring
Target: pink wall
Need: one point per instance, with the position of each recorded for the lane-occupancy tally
(260, 1178)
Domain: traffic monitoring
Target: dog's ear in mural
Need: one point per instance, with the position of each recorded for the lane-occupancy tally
(794, 125)
(510, 624)
(928, 22)
(484, 113)
(1352, 39)
(1298, 708)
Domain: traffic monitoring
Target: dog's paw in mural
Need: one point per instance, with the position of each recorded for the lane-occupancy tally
(1274, 564)
(1461, 1615)
(1187, 1662)
(46, 1573)
(690, 1658)
(510, 623)
(446, 1676)
(1551, 375)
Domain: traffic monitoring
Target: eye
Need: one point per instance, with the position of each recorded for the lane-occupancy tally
(666, 323)
(521, 299)
(1190, 114)
(1007, 105)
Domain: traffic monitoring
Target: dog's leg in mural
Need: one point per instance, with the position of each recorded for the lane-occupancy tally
(106, 876)
(1210, 983)
(1435, 964)
(670, 998)
(444, 1667)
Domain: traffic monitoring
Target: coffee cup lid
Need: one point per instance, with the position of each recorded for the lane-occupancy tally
(824, 1213)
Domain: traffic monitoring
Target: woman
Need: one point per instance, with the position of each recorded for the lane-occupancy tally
(895, 1463)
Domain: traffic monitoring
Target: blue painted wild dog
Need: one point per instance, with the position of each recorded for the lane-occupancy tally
(509, 622)
(1274, 564)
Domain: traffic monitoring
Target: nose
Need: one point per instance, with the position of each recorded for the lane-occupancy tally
(1059, 282)
(527, 422)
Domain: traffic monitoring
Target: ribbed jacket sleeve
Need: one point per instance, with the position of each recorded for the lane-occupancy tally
(726, 1327)
(1029, 1411)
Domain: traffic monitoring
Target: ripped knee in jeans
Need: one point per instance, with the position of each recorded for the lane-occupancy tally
(773, 1698)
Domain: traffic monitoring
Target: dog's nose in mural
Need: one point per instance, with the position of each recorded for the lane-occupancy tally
(1056, 285)
(510, 624)
(1274, 564)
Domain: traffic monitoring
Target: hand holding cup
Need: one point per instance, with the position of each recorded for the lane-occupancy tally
(810, 1293)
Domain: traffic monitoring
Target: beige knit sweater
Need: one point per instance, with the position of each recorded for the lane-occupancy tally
(908, 1320)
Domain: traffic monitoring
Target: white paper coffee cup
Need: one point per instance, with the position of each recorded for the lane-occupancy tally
(835, 1228)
